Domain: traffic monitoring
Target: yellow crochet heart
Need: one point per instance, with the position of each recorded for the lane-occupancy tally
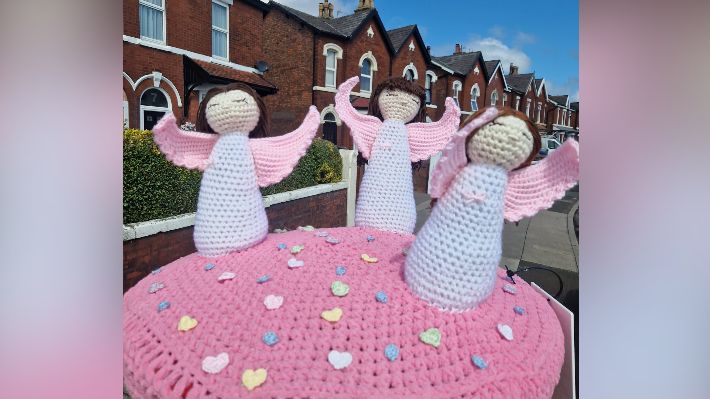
(367, 258)
(332, 315)
(186, 323)
(253, 378)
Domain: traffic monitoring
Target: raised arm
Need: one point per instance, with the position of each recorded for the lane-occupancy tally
(189, 149)
(363, 128)
(536, 187)
(425, 139)
(275, 157)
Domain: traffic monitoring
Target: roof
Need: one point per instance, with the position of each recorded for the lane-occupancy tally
(258, 4)
(491, 68)
(519, 82)
(399, 35)
(462, 63)
(538, 82)
(344, 27)
(231, 74)
(560, 100)
(574, 106)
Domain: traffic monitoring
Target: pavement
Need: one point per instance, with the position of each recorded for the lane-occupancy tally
(546, 240)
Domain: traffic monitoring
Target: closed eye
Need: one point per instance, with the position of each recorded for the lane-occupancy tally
(243, 100)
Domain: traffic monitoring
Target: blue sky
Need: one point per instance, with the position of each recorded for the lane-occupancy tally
(539, 36)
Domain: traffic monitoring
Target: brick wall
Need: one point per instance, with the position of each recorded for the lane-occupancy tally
(142, 255)
(405, 56)
(496, 84)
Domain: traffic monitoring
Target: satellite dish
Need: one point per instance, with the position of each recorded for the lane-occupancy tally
(262, 66)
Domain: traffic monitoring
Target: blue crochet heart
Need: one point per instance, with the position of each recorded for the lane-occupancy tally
(391, 352)
(381, 297)
(209, 266)
(479, 362)
(163, 305)
(270, 338)
(263, 279)
(340, 270)
(519, 310)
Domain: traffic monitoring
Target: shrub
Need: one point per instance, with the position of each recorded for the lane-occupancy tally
(154, 188)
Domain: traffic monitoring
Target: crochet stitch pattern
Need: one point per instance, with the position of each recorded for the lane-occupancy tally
(454, 260)
(161, 362)
(386, 197)
(230, 212)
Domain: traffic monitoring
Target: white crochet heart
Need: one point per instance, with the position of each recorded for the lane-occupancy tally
(273, 301)
(226, 276)
(294, 263)
(339, 360)
(505, 331)
(215, 364)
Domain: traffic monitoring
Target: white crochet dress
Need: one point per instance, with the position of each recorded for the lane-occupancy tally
(230, 209)
(452, 264)
(386, 196)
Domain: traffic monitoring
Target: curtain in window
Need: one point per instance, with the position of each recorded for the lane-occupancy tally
(219, 16)
(151, 21)
(365, 76)
(427, 89)
(330, 68)
(219, 30)
(219, 44)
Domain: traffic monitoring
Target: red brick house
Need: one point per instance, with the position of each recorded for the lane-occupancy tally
(575, 114)
(496, 94)
(559, 115)
(323, 51)
(174, 51)
(466, 79)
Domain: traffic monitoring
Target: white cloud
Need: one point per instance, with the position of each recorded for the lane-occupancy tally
(494, 49)
(340, 7)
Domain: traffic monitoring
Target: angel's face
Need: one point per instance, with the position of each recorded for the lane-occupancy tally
(397, 104)
(506, 142)
(235, 111)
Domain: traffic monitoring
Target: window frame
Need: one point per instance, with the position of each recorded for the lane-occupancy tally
(162, 9)
(338, 56)
(505, 98)
(370, 76)
(474, 99)
(431, 77)
(219, 29)
(152, 108)
(528, 102)
(539, 110)
(457, 87)
(494, 102)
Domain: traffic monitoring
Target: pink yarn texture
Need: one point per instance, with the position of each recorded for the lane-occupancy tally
(162, 362)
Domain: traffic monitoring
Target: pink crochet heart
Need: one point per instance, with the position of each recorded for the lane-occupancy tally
(273, 302)
(215, 364)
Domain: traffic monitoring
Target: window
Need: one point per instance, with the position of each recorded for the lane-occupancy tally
(220, 30)
(152, 19)
(457, 90)
(474, 97)
(409, 75)
(330, 67)
(539, 108)
(564, 116)
(154, 104)
(366, 75)
(125, 111)
(527, 108)
(494, 98)
(330, 128)
(427, 89)
(517, 103)
(569, 119)
(505, 98)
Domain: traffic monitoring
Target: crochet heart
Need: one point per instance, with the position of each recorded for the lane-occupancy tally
(215, 364)
(510, 289)
(505, 331)
(273, 301)
(332, 315)
(332, 240)
(306, 228)
(367, 258)
(322, 234)
(226, 276)
(431, 337)
(155, 287)
(296, 249)
(391, 352)
(186, 323)
(339, 288)
(293, 263)
(253, 378)
(340, 360)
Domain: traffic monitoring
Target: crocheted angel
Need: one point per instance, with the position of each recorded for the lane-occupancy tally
(230, 210)
(481, 179)
(386, 196)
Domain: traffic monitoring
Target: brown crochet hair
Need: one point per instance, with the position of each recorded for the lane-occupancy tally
(404, 85)
(505, 111)
(262, 126)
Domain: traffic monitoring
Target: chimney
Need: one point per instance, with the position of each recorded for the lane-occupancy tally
(325, 9)
(513, 69)
(457, 49)
(428, 49)
(365, 5)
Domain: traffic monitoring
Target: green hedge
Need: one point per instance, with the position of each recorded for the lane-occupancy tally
(154, 188)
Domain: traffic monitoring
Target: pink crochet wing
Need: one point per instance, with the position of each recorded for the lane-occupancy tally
(536, 187)
(189, 149)
(363, 128)
(275, 157)
(453, 158)
(425, 139)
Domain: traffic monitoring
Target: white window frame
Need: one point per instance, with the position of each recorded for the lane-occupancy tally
(410, 67)
(527, 107)
(431, 77)
(505, 98)
(151, 108)
(126, 121)
(338, 56)
(564, 117)
(373, 68)
(155, 7)
(457, 88)
(474, 99)
(539, 109)
(517, 103)
(218, 29)
(494, 98)
(569, 118)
